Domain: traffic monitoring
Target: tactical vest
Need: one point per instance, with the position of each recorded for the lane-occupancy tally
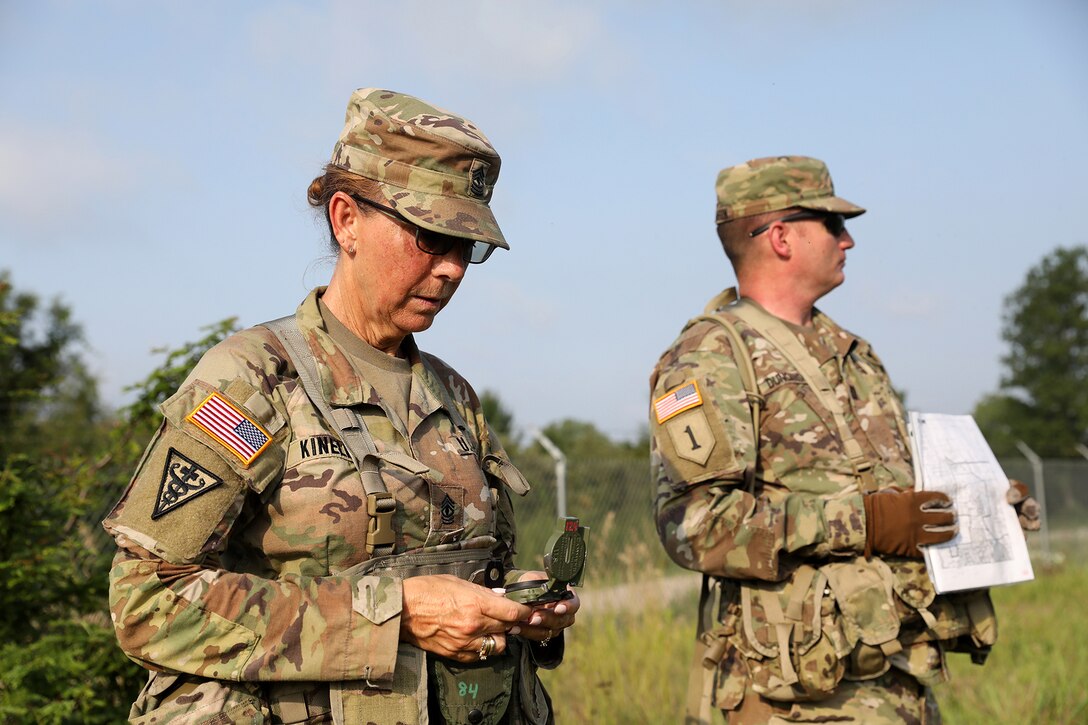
(502, 689)
(850, 618)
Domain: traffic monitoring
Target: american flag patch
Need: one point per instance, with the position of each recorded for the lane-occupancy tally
(223, 422)
(677, 401)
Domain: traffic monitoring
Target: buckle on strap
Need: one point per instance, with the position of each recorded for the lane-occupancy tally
(380, 507)
(865, 475)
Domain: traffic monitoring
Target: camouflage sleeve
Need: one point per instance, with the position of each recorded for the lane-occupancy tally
(201, 619)
(178, 600)
(702, 447)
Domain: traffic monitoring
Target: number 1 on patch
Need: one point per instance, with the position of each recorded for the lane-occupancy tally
(691, 436)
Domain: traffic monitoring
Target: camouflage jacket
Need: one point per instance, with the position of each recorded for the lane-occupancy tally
(777, 514)
(246, 509)
(808, 505)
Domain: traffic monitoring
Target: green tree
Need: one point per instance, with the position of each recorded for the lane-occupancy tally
(500, 418)
(46, 392)
(63, 462)
(1044, 390)
(580, 440)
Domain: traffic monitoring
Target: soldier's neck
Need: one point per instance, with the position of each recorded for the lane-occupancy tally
(784, 301)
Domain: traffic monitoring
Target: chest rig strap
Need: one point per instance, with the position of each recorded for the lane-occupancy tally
(802, 360)
(756, 401)
(380, 504)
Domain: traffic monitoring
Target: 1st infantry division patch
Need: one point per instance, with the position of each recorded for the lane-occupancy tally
(182, 481)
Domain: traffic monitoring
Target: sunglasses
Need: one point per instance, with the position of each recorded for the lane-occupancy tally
(428, 242)
(834, 223)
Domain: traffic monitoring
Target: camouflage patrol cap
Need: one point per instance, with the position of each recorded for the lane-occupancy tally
(778, 182)
(435, 168)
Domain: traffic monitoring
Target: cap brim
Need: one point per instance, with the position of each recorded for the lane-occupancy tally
(833, 204)
(453, 215)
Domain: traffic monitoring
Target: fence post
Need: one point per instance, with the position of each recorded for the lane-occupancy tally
(1040, 496)
(560, 471)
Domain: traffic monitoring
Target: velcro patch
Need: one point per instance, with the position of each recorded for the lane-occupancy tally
(676, 401)
(447, 508)
(182, 481)
(691, 436)
(240, 435)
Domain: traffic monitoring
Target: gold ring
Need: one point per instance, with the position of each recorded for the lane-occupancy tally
(487, 647)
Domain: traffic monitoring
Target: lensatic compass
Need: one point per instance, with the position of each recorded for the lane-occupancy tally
(564, 563)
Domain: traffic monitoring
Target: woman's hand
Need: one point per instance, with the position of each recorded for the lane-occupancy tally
(548, 620)
(452, 618)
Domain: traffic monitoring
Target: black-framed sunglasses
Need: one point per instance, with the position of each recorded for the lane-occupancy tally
(834, 223)
(473, 251)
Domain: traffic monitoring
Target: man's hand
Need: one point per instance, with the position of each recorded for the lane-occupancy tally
(1027, 508)
(898, 522)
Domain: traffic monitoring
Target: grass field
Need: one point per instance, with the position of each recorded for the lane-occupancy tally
(629, 665)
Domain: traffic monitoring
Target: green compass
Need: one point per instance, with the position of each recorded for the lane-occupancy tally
(564, 562)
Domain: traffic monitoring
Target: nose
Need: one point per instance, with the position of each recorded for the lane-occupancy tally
(451, 265)
(845, 240)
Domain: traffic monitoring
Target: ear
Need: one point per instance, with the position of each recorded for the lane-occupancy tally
(779, 237)
(343, 215)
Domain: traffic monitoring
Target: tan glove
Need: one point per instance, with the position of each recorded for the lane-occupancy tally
(898, 522)
(1027, 508)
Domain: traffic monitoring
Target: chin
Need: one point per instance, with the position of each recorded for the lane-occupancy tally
(418, 324)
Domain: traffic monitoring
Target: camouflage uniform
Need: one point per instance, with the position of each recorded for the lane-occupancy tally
(775, 516)
(236, 581)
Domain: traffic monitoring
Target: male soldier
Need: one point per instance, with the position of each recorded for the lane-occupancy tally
(784, 474)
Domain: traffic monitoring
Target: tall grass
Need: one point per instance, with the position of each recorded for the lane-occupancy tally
(628, 662)
(625, 667)
(1038, 670)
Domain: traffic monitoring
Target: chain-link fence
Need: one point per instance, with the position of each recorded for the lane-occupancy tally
(1061, 485)
(614, 498)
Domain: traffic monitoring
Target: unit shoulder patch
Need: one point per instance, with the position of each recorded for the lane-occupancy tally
(182, 481)
(230, 427)
(676, 401)
(691, 436)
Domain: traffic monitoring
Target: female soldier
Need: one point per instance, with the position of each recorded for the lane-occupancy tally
(262, 573)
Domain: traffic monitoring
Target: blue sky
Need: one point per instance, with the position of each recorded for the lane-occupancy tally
(154, 158)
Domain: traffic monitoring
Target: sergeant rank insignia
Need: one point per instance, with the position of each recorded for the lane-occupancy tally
(182, 481)
(226, 424)
(477, 185)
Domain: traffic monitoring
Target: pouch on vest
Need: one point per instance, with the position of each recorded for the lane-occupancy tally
(983, 629)
(475, 692)
(790, 638)
(532, 705)
(966, 621)
(501, 690)
(721, 661)
(355, 702)
(864, 593)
